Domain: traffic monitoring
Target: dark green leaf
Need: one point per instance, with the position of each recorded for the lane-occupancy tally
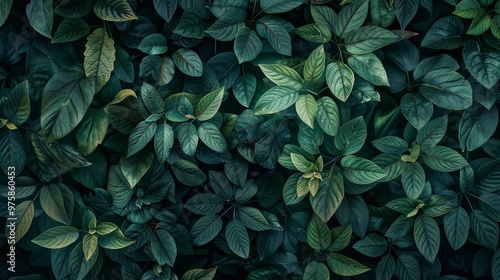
(206, 229)
(476, 127)
(405, 11)
(247, 45)
(345, 266)
(57, 202)
(444, 159)
(57, 237)
(316, 271)
(456, 227)
(188, 62)
(427, 237)
(447, 89)
(40, 16)
(486, 230)
(237, 238)
(163, 247)
(114, 10)
(370, 68)
(188, 173)
(350, 18)
(368, 39)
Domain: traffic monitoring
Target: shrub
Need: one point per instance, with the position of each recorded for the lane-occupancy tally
(236, 139)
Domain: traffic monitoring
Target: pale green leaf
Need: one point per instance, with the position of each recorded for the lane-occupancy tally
(275, 100)
(340, 79)
(211, 136)
(370, 68)
(209, 105)
(57, 237)
(306, 109)
(99, 57)
(114, 10)
(282, 75)
(327, 115)
(315, 33)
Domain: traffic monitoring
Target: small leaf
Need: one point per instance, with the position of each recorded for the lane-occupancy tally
(209, 105)
(427, 237)
(370, 68)
(340, 80)
(405, 11)
(477, 125)
(188, 173)
(444, 159)
(141, 136)
(345, 266)
(351, 136)
(237, 238)
(206, 229)
(153, 44)
(188, 62)
(315, 64)
(244, 89)
(247, 45)
(330, 195)
(57, 237)
(306, 109)
(89, 245)
(71, 29)
(279, 6)
(373, 245)
(416, 109)
(327, 115)
(134, 167)
(275, 100)
(315, 33)
(282, 75)
(368, 39)
(413, 179)
(486, 230)
(318, 234)
(316, 271)
(57, 202)
(114, 10)
(200, 274)
(211, 136)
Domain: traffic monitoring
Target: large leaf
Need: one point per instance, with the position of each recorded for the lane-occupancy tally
(456, 227)
(444, 159)
(427, 238)
(476, 127)
(318, 234)
(91, 130)
(276, 34)
(153, 44)
(163, 247)
(340, 79)
(40, 16)
(57, 237)
(188, 62)
(206, 229)
(354, 211)
(345, 266)
(65, 100)
(237, 238)
(114, 10)
(306, 107)
(444, 34)
(361, 171)
(247, 45)
(350, 18)
(275, 100)
(447, 89)
(329, 196)
(370, 68)
(134, 167)
(71, 29)
(315, 64)
(254, 219)
(368, 39)
(482, 62)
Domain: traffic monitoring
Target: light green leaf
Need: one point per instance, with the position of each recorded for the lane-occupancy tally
(153, 44)
(237, 238)
(114, 10)
(65, 100)
(477, 125)
(188, 173)
(301, 163)
(57, 237)
(468, 9)
(306, 109)
(16, 107)
(115, 240)
(188, 62)
(206, 229)
(447, 89)
(416, 109)
(280, 6)
(368, 39)
(351, 136)
(163, 247)
(444, 159)
(99, 57)
(188, 138)
(211, 136)
(40, 15)
(314, 32)
(486, 230)
(91, 130)
(345, 266)
(427, 237)
(350, 18)
(209, 105)
(247, 45)
(253, 219)
(361, 171)
(329, 196)
(23, 214)
(282, 75)
(163, 141)
(275, 100)
(370, 68)
(134, 167)
(57, 202)
(316, 271)
(318, 234)
(315, 64)
(327, 115)
(482, 62)
(373, 245)
(244, 89)
(71, 29)
(200, 274)
(141, 136)
(340, 79)
(480, 24)
(89, 245)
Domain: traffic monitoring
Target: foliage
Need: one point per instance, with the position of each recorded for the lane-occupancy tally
(235, 139)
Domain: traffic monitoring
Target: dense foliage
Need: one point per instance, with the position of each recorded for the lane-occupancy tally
(246, 139)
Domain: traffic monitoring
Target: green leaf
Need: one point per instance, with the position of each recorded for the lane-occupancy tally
(480, 24)
(118, 187)
(115, 240)
(237, 238)
(134, 167)
(341, 236)
(486, 230)
(209, 105)
(5, 6)
(188, 62)
(382, 13)
(486, 176)
(413, 180)
(282, 75)
(204, 204)
(114, 10)
(456, 227)
(192, 25)
(89, 245)
(407, 267)
(40, 16)
(275, 100)
(276, 34)
(124, 68)
(23, 214)
(345, 266)
(163, 247)
(69, 88)
(340, 80)
(188, 138)
(318, 234)
(165, 9)
(468, 9)
(244, 89)
(99, 57)
(447, 89)
(391, 145)
(427, 238)
(153, 44)
(226, 28)
(91, 131)
(385, 268)
(482, 62)
(327, 115)
(211, 136)
(350, 18)
(80, 267)
(141, 136)
(12, 150)
(188, 173)
(444, 34)
(301, 163)
(416, 109)
(163, 141)
(247, 45)
(306, 107)
(495, 265)
(279, 6)
(253, 219)
(57, 202)
(16, 107)
(73, 8)
(71, 29)
(351, 136)
(57, 237)
(200, 274)
(476, 127)
(315, 33)
(444, 159)
(316, 271)
(206, 229)
(373, 245)
(368, 39)
(329, 196)
(370, 68)
(405, 11)
(495, 26)
(432, 132)
(315, 65)
(361, 171)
